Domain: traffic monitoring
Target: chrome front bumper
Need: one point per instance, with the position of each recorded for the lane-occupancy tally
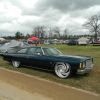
(85, 70)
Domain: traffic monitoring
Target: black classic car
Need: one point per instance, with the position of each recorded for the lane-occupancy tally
(49, 58)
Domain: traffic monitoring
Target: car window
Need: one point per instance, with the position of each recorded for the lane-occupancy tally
(22, 50)
(51, 51)
(35, 50)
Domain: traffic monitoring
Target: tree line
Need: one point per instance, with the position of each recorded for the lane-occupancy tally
(93, 24)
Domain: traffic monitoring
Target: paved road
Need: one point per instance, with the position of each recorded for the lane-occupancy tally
(26, 86)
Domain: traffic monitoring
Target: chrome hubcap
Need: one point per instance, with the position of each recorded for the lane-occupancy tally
(62, 70)
(16, 63)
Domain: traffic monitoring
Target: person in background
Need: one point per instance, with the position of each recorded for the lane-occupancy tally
(36, 42)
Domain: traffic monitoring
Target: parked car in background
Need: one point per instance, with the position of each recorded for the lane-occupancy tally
(64, 41)
(72, 42)
(46, 42)
(57, 42)
(96, 43)
(49, 58)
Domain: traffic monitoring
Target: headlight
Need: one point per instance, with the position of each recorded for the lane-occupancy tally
(82, 65)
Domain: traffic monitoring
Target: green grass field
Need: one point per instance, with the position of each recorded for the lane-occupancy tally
(89, 82)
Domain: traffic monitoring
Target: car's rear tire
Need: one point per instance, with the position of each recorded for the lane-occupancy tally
(16, 64)
(62, 70)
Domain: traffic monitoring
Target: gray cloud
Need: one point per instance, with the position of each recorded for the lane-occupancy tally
(17, 15)
(66, 5)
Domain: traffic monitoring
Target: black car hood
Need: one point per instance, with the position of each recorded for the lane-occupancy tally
(74, 57)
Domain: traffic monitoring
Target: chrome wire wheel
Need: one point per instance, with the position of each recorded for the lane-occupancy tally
(16, 64)
(62, 70)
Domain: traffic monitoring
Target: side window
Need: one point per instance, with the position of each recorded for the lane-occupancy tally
(38, 50)
(32, 51)
(35, 51)
(22, 51)
(46, 52)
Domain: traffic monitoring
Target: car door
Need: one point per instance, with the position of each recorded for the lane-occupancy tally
(21, 56)
(36, 58)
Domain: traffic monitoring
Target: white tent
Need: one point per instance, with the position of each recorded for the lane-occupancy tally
(83, 41)
(2, 39)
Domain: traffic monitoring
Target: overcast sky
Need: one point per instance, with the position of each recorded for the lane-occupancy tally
(24, 15)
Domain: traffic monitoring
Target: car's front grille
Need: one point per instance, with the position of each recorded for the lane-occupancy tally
(89, 63)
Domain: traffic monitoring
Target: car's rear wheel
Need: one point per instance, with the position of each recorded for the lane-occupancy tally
(16, 64)
(62, 70)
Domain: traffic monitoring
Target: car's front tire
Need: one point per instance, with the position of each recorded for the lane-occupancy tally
(16, 64)
(62, 70)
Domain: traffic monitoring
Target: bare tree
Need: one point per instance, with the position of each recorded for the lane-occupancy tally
(39, 31)
(42, 31)
(65, 33)
(57, 31)
(94, 25)
(50, 33)
(36, 31)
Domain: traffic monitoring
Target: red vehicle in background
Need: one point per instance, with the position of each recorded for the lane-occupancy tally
(96, 43)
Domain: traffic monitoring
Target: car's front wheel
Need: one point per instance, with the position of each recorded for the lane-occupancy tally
(62, 70)
(16, 64)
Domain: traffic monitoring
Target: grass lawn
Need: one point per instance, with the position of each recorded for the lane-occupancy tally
(89, 82)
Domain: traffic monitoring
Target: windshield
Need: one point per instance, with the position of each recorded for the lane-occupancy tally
(51, 51)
